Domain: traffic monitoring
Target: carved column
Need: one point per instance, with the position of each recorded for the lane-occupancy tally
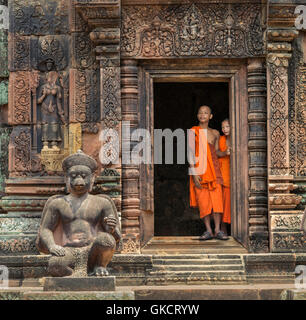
(103, 19)
(282, 202)
(257, 118)
(130, 172)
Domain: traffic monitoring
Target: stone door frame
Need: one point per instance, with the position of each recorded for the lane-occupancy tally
(207, 70)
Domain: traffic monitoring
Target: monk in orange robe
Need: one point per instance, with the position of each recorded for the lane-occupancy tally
(225, 166)
(206, 184)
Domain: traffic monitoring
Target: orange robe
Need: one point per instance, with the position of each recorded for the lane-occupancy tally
(209, 198)
(225, 167)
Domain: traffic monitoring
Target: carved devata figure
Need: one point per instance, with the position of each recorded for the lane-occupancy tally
(52, 114)
(79, 230)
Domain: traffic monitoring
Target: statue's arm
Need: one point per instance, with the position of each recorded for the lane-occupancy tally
(41, 99)
(48, 225)
(109, 220)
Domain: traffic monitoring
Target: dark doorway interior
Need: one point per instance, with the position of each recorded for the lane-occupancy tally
(175, 106)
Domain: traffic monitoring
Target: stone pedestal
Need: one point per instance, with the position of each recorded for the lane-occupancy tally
(80, 284)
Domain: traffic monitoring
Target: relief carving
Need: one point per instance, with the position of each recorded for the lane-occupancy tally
(39, 17)
(50, 99)
(192, 30)
(85, 96)
(49, 49)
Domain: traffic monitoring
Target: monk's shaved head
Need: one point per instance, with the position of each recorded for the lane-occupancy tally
(225, 120)
(204, 106)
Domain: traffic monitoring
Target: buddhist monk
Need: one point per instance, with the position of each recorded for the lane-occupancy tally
(225, 166)
(206, 186)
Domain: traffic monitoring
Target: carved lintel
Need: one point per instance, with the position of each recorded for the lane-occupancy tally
(192, 30)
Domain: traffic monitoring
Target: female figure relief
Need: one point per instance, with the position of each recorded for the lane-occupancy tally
(51, 111)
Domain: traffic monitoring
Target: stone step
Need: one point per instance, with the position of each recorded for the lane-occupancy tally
(197, 267)
(197, 256)
(201, 244)
(180, 250)
(202, 262)
(219, 273)
(196, 279)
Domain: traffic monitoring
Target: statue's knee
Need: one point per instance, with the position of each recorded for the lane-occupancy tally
(105, 240)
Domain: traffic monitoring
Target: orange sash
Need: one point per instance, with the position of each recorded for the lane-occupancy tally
(208, 179)
(225, 165)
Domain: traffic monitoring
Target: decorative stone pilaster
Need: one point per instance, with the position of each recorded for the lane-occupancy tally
(102, 19)
(130, 172)
(257, 118)
(285, 236)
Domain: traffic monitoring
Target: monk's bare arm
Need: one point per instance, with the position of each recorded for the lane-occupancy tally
(219, 153)
(49, 223)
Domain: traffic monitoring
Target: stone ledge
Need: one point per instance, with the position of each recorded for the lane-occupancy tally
(52, 295)
(293, 295)
(80, 284)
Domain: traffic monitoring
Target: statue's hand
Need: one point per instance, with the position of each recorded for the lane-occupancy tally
(57, 251)
(228, 151)
(111, 222)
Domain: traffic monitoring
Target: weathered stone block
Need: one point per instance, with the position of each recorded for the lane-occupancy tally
(288, 242)
(18, 224)
(286, 222)
(4, 141)
(269, 263)
(80, 284)
(18, 244)
(115, 295)
(20, 97)
(19, 53)
(38, 17)
(3, 92)
(83, 54)
(3, 53)
(84, 96)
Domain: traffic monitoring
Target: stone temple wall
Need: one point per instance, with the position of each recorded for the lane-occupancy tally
(74, 48)
(4, 74)
(52, 65)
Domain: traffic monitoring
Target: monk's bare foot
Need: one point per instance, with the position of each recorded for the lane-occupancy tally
(100, 272)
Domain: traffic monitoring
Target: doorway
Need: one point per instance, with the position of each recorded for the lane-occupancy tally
(175, 106)
(181, 79)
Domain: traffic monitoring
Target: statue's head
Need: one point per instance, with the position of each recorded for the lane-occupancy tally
(79, 169)
(52, 76)
(49, 64)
